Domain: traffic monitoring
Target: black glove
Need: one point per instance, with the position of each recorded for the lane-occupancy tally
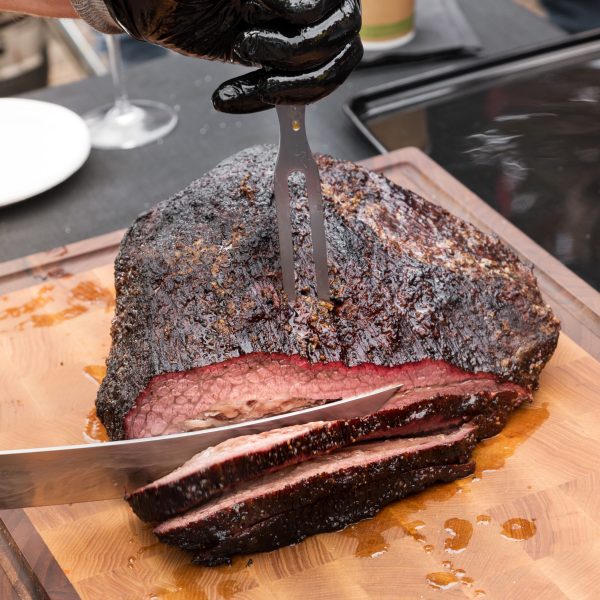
(306, 48)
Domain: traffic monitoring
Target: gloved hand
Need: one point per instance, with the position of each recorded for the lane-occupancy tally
(305, 48)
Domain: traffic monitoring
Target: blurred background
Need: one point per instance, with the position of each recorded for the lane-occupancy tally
(37, 53)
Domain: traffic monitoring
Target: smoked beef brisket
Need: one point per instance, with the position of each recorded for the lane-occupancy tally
(323, 494)
(203, 332)
(204, 335)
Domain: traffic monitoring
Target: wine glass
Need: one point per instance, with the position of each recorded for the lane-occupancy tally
(127, 123)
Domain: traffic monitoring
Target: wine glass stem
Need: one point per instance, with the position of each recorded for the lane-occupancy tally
(115, 60)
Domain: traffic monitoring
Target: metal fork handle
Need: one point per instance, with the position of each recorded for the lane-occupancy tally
(295, 156)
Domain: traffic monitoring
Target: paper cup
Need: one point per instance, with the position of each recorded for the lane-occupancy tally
(387, 23)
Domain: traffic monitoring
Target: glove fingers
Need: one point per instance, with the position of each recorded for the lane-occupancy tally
(301, 47)
(310, 86)
(254, 12)
(240, 95)
(264, 88)
(299, 12)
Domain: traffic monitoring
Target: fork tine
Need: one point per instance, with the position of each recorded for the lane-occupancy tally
(284, 224)
(317, 228)
(295, 156)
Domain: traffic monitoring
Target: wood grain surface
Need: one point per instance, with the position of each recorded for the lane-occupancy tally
(527, 525)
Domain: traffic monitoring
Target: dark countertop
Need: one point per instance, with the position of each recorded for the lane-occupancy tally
(114, 186)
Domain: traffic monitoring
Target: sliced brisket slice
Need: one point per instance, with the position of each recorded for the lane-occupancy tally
(260, 385)
(348, 503)
(216, 470)
(321, 479)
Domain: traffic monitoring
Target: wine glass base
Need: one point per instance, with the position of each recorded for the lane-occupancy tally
(129, 123)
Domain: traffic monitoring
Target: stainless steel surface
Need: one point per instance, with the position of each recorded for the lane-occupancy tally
(422, 87)
(83, 473)
(295, 156)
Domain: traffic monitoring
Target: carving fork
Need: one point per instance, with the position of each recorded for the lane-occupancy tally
(295, 156)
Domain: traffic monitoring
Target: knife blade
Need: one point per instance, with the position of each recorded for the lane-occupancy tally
(89, 472)
(295, 156)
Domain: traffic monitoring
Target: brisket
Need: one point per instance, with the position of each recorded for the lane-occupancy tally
(219, 469)
(343, 486)
(348, 504)
(203, 332)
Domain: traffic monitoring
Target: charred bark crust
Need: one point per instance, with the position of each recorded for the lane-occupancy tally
(198, 282)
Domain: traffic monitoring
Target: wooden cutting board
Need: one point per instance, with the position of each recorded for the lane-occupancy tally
(527, 525)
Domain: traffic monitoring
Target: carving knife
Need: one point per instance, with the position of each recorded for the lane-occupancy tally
(295, 156)
(88, 472)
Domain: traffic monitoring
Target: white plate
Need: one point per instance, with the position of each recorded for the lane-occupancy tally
(41, 144)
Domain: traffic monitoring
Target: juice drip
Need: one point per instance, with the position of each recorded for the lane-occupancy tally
(78, 302)
(50, 319)
(94, 431)
(491, 454)
(96, 372)
(58, 273)
(369, 534)
(88, 291)
(42, 298)
(447, 579)
(442, 580)
(460, 535)
(412, 528)
(519, 529)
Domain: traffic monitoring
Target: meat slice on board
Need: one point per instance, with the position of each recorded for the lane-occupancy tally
(346, 505)
(376, 472)
(220, 468)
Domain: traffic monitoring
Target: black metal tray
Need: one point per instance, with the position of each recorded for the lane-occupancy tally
(521, 130)
(425, 88)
